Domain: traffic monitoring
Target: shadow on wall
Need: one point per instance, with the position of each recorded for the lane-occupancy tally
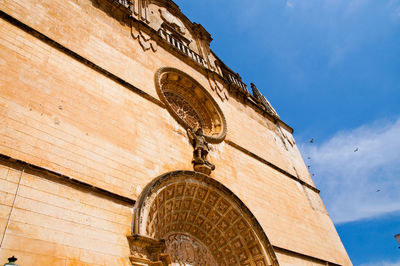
(118, 9)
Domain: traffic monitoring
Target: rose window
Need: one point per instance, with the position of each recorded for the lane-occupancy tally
(190, 104)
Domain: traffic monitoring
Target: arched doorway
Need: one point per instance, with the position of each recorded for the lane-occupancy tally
(200, 222)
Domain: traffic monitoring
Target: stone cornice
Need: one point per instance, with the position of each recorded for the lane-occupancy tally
(49, 174)
(308, 257)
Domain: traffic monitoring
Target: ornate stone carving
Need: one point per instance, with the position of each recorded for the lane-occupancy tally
(147, 251)
(170, 35)
(184, 110)
(200, 152)
(202, 222)
(184, 250)
(172, 21)
(190, 104)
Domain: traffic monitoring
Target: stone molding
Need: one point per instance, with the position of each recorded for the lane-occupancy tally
(52, 175)
(273, 166)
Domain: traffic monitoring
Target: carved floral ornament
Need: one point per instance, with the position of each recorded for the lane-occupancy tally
(190, 104)
(199, 222)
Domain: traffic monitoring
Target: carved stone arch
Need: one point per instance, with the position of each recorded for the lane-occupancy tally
(190, 104)
(201, 221)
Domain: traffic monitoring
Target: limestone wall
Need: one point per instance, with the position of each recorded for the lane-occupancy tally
(66, 116)
(292, 215)
(60, 224)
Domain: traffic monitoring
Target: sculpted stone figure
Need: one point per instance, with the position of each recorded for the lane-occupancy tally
(200, 151)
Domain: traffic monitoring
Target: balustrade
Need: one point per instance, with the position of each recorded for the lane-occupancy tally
(234, 79)
(230, 77)
(124, 3)
(180, 46)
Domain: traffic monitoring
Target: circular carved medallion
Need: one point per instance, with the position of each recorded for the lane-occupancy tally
(190, 104)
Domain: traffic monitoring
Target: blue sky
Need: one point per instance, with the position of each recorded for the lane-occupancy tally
(331, 69)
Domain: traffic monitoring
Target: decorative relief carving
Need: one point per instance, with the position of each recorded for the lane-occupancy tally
(147, 251)
(184, 110)
(172, 21)
(184, 250)
(190, 104)
(202, 223)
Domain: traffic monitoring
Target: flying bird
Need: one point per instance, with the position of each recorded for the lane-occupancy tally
(356, 150)
(308, 158)
(397, 238)
(308, 166)
(378, 190)
(312, 140)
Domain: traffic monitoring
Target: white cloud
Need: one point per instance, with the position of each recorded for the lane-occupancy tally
(383, 263)
(361, 184)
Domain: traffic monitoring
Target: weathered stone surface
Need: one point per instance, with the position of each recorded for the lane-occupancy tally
(78, 97)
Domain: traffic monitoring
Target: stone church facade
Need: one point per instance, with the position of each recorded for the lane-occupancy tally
(125, 140)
